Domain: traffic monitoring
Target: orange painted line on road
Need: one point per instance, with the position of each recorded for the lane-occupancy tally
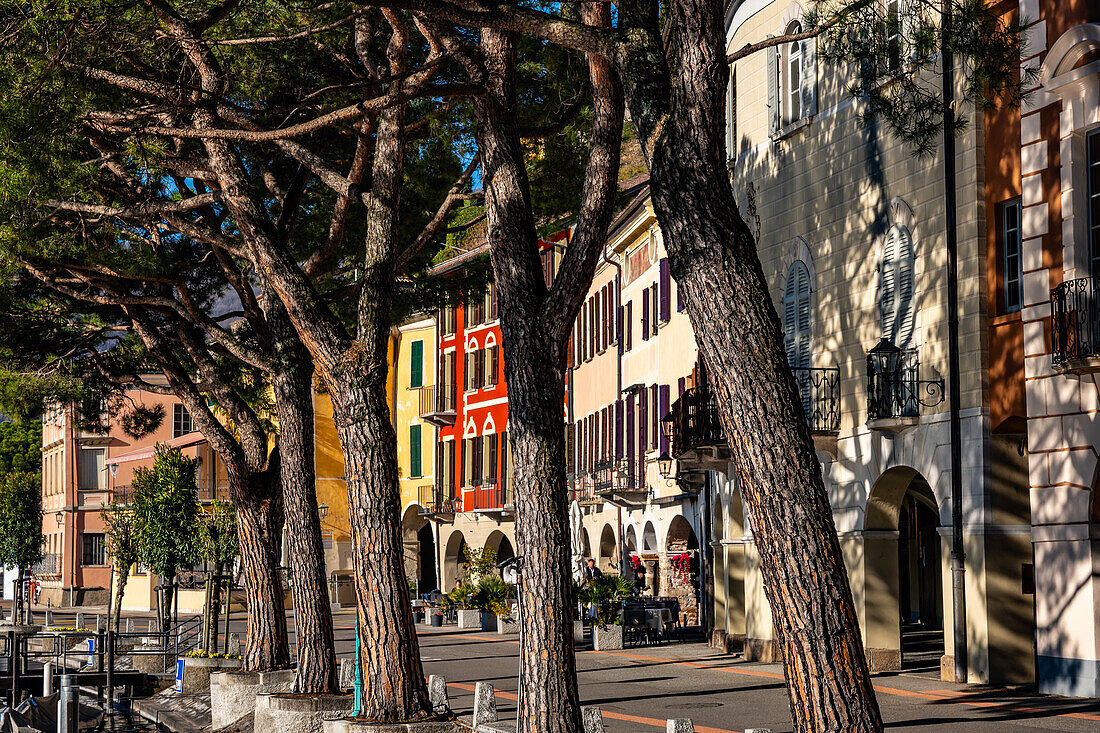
(606, 713)
(953, 696)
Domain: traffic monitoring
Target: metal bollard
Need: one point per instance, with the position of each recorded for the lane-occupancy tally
(66, 706)
(47, 679)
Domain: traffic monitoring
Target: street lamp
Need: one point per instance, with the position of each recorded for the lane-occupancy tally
(664, 464)
(322, 510)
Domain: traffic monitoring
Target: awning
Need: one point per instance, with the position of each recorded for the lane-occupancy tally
(142, 454)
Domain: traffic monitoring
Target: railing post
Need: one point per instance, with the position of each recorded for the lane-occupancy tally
(13, 666)
(110, 651)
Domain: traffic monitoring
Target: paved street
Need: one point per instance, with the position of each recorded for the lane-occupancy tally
(639, 688)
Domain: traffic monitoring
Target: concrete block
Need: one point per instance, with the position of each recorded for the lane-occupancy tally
(129, 626)
(468, 619)
(485, 704)
(437, 693)
(197, 671)
(1032, 190)
(347, 674)
(79, 620)
(592, 720)
(233, 694)
(1030, 131)
(1034, 157)
(49, 618)
(299, 713)
(680, 725)
(578, 631)
(233, 646)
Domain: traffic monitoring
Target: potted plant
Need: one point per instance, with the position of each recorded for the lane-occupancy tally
(469, 617)
(437, 617)
(603, 592)
(491, 599)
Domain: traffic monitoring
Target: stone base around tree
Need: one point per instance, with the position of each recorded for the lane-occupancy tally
(469, 619)
(197, 671)
(364, 726)
(299, 713)
(507, 625)
(233, 694)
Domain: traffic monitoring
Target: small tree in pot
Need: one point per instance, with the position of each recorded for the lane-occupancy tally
(603, 592)
(491, 599)
(122, 548)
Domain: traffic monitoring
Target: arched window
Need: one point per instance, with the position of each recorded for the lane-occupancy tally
(796, 316)
(896, 295)
(792, 88)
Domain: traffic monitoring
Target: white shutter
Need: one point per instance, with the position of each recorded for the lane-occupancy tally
(905, 310)
(773, 89)
(796, 316)
(809, 77)
(888, 303)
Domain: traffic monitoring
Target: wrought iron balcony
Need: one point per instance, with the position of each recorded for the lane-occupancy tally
(437, 406)
(820, 392)
(582, 489)
(695, 422)
(1075, 317)
(895, 391)
(436, 499)
(50, 564)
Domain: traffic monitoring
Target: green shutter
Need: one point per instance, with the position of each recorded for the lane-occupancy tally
(415, 468)
(416, 376)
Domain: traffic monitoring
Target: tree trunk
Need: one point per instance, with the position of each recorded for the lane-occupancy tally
(166, 600)
(394, 688)
(293, 387)
(215, 612)
(713, 258)
(120, 590)
(259, 527)
(17, 604)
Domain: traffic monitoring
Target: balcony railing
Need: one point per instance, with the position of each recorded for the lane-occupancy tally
(1075, 316)
(49, 565)
(607, 479)
(436, 499)
(894, 387)
(437, 406)
(695, 422)
(820, 392)
(489, 495)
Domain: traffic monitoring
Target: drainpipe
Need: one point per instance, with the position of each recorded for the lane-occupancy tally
(958, 556)
(618, 390)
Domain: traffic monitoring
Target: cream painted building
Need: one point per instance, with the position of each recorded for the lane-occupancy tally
(850, 225)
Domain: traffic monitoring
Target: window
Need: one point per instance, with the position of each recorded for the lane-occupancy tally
(665, 292)
(448, 317)
(1093, 145)
(793, 86)
(896, 295)
(731, 114)
(1008, 237)
(491, 302)
(93, 549)
(655, 416)
(489, 454)
(628, 326)
(492, 365)
(416, 468)
(655, 305)
(416, 365)
(181, 421)
(796, 316)
(892, 18)
(91, 470)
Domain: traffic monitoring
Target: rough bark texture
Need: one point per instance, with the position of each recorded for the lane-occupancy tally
(292, 383)
(536, 324)
(259, 528)
(120, 591)
(678, 107)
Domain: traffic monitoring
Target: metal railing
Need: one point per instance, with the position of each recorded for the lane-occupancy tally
(49, 565)
(608, 477)
(436, 499)
(695, 421)
(488, 495)
(433, 399)
(1075, 318)
(819, 389)
(894, 386)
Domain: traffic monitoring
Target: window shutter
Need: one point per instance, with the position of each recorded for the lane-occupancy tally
(803, 323)
(654, 317)
(494, 367)
(655, 416)
(680, 387)
(570, 450)
(809, 77)
(619, 429)
(664, 411)
(645, 315)
(888, 300)
(906, 309)
(628, 430)
(478, 458)
(619, 329)
(773, 89)
(468, 372)
(415, 466)
(643, 422)
(467, 462)
(504, 473)
(493, 312)
(416, 376)
(666, 285)
(491, 456)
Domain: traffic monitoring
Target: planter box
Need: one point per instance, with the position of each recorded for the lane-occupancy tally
(197, 671)
(469, 619)
(299, 713)
(507, 625)
(488, 621)
(606, 638)
(233, 694)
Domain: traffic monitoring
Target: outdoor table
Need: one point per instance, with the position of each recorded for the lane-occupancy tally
(657, 618)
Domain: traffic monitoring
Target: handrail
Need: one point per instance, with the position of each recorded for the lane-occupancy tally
(1075, 320)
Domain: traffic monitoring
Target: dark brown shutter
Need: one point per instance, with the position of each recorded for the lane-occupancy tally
(665, 291)
(645, 315)
(618, 429)
(664, 411)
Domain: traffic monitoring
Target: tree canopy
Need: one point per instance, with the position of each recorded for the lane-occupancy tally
(20, 447)
(20, 519)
